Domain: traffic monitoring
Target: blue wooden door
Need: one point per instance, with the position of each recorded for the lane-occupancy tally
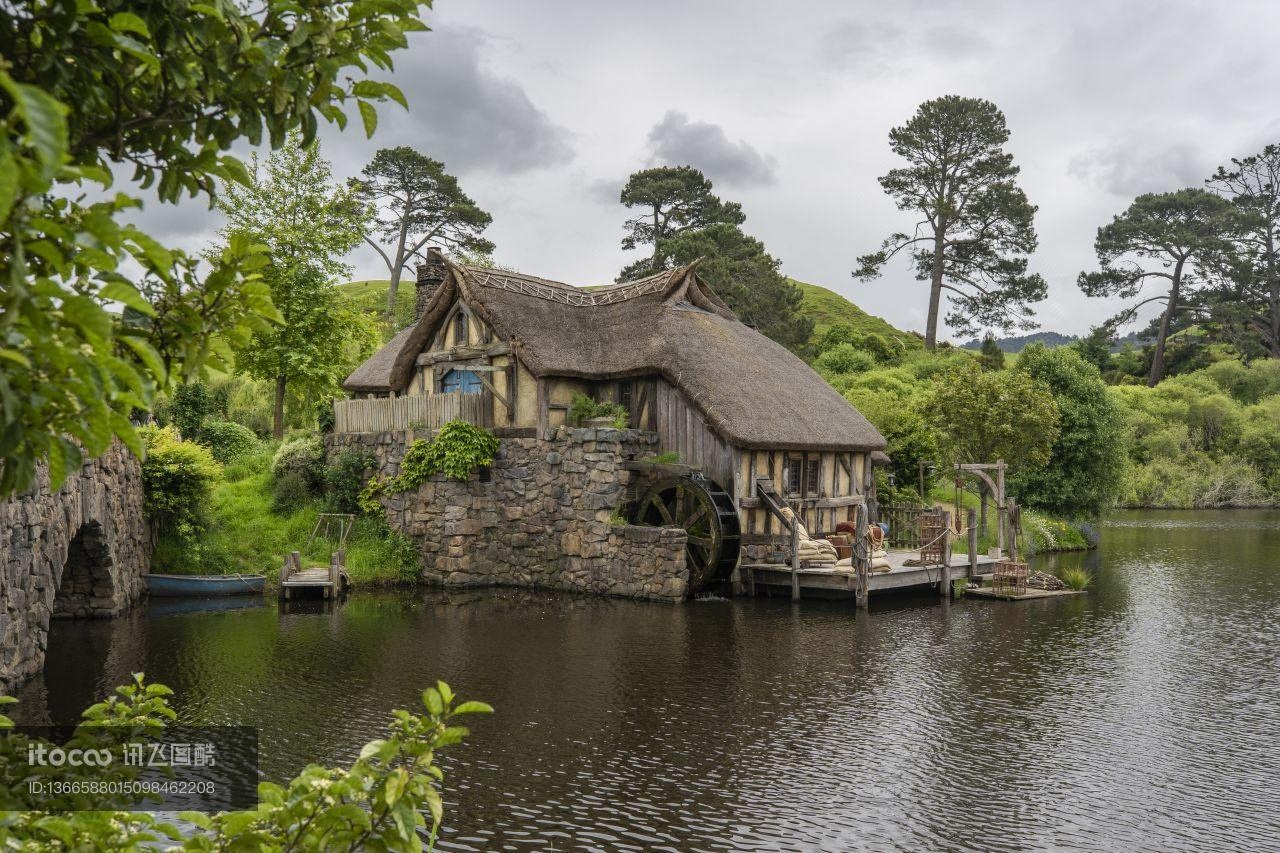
(461, 381)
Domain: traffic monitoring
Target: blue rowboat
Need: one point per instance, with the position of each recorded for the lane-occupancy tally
(197, 586)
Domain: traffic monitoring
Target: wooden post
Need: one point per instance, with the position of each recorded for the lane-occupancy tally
(1013, 532)
(795, 558)
(1001, 506)
(860, 543)
(944, 574)
(544, 412)
(971, 520)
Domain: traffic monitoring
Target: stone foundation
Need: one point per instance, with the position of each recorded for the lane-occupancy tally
(78, 552)
(543, 516)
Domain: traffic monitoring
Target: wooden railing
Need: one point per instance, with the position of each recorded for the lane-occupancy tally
(427, 411)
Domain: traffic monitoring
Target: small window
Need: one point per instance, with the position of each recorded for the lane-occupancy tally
(792, 472)
(460, 329)
(626, 390)
(812, 478)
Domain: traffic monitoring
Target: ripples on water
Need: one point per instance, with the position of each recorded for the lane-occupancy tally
(1141, 716)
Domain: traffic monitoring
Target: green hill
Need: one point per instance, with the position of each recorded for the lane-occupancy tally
(370, 297)
(828, 308)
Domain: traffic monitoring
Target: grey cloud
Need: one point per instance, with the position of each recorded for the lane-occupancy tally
(1130, 169)
(874, 48)
(677, 141)
(463, 113)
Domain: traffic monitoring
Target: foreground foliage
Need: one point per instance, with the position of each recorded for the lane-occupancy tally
(166, 88)
(388, 799)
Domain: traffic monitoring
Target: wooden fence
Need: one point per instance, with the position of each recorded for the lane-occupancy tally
(904, 524)
(427, 411)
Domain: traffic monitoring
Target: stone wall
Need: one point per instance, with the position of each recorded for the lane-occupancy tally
(542, 516)
(77, 552)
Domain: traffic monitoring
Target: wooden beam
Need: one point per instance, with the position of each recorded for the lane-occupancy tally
(843, 501)
(544, 417)
(497, 394)
(463, 352)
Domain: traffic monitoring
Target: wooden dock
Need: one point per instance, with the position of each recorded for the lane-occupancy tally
(832, 582)
(324, 580)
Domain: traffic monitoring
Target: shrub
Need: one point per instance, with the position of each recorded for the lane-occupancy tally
(582, 409)
(249, 402)
(844, 358)
(189, 407)
(304, 457)
(178, 478)
(344, 478)
(228, 441)
(290, 492)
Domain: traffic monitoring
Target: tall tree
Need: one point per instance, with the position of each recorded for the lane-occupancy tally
(165, 87)
(684, 220)
(416, 202)
(307, 224)
(748, 279)
(1162, 237)
(671, 200)
(1251, 288)
(975, 230)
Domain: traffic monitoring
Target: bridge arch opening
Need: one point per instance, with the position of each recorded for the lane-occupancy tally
(85, 587)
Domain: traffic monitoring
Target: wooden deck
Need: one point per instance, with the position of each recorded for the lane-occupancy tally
(317, 579)
(832, 582)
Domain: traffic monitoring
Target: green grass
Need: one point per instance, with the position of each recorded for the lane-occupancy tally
(247, 535)
(1075, 578)
(827, 308)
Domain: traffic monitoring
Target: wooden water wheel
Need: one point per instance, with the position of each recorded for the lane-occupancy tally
(706, 513)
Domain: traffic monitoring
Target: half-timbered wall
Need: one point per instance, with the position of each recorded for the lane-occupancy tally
(840, 483)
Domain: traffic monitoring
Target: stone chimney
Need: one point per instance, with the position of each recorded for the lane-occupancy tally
(430, 276)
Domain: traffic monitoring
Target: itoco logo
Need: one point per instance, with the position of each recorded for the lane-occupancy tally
(43, 755)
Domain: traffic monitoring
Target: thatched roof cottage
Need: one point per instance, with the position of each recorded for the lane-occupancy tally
(724, 397)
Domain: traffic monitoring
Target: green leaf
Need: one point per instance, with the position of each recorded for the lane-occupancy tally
(129, 22)
(86, 315)
(473, 708)
(127, 294)
(16, 357)
(369, 116)
(44, 119)
(431, 699)
(233, 169)
(9, 180)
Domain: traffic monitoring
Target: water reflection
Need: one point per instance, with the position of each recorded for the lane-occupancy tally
(1141, 716)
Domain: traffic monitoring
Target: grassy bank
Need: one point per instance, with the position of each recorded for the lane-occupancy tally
(247, 533)
(1041, 533)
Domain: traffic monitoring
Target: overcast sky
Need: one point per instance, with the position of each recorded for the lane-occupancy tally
(543, 110)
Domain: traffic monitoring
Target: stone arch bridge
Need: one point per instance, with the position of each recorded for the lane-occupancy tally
(75, 553)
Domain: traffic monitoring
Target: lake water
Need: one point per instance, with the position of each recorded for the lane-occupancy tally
(1145, 715)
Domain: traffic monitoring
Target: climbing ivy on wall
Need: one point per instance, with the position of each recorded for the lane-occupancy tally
(456, 451)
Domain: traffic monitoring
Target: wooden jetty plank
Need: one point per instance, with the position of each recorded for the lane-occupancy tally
(981, 592)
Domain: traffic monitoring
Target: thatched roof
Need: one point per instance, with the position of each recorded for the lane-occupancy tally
(752, 390)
